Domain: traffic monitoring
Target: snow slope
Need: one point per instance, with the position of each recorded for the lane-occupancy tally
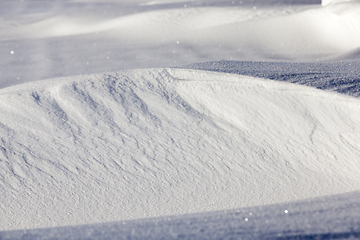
(154, 142)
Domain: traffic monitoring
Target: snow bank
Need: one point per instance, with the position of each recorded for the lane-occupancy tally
(148, 143)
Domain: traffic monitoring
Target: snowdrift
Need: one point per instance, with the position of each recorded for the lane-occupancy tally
(147, 143)
(71, 38)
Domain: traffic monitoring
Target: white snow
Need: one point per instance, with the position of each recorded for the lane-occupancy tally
(331, 2)
(108, 138)
(147, 143)
(67, 39)
(334, 217)
(284, 31)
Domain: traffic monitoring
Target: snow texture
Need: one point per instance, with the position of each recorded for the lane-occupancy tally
(146, 143)
(129, 111)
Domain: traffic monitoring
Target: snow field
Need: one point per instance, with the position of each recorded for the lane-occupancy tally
(155, 142)
(302, 30)
(115, 145)
(334, 217)
(72, 38)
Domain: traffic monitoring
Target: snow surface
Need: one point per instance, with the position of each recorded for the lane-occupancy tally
(94, 144)
(42, 39)
(146, 143)
(338, 76)
(335, 217)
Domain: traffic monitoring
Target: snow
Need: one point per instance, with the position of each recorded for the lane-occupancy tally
(330, 2)
(321, 218)
(119, 111)
(154, 142)
(71, 38)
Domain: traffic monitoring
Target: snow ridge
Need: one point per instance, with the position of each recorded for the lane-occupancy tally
(155, 142)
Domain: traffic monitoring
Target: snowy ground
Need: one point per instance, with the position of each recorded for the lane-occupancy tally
(181, 107)
(65, 38)
(335, 217)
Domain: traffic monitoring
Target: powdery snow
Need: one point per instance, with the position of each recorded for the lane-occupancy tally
(147, 143)
(334, 217)
(115, 144)
(67, 38)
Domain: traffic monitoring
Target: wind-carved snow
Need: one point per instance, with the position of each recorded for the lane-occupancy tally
(155, 142)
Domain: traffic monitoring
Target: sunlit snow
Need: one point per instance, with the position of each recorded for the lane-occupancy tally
(125, 110)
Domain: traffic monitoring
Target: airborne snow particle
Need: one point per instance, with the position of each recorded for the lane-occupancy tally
(286, 211)
(246, 219)
(12, 52)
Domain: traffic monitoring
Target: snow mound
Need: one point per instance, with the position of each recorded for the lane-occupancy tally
(155, 142)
